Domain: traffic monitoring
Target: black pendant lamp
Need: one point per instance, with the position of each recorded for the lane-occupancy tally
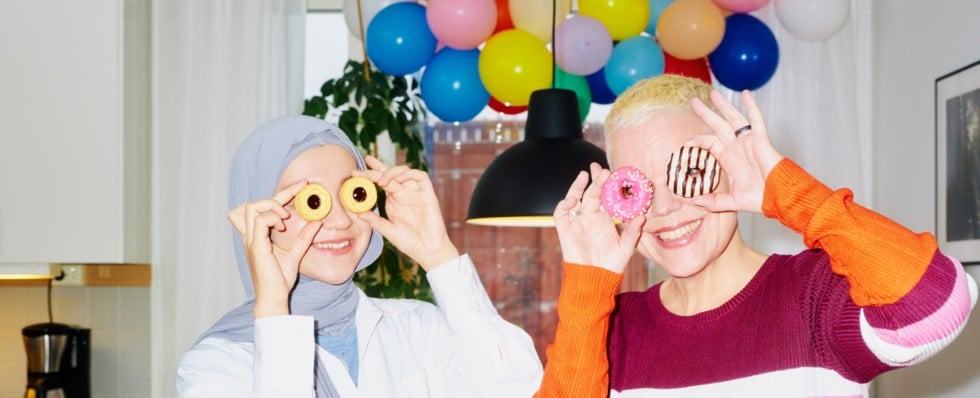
(522, 186)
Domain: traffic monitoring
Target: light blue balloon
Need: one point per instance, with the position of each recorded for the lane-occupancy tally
(656, 8)
(451, 85)
(632, 60)
(399, 40)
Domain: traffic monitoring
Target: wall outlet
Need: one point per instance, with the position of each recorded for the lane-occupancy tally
(67, 275)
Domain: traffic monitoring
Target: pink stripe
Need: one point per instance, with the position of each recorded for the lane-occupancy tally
(937, 325)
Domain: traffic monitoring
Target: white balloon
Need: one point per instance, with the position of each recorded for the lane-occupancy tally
(369, 8)
(813, 19)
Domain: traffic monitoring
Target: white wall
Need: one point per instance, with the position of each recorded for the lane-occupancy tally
(914, 43)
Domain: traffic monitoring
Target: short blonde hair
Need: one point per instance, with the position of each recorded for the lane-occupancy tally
(647, 97)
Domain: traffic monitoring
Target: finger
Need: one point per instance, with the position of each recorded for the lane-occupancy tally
(716, 123)
(712, 143)
(287, 194)
(564, 206)
(728, 111)
(590, 199)
(374, 163)
(254, 209)
(716, 202)
(305, 238)
(389, 175)
(237, 218)
(413, 178)
(755, 114)
(378, 223)
(577, 188)
(631, 234)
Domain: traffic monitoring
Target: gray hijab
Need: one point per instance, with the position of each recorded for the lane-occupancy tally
(255, 171)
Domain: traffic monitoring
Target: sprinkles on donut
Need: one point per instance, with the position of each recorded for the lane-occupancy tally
(627, 194)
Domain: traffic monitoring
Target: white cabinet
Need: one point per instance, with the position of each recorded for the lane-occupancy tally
(74, 131)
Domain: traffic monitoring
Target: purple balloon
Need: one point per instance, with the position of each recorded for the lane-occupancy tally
(582, 45)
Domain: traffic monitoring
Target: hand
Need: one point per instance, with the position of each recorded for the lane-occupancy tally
(586, 233)
(746, 159)
(274, 269)
(414, 224)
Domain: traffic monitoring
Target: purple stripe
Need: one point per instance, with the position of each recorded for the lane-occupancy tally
(928, 295)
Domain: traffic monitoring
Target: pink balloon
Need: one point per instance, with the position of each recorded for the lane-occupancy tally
(582, 45)
(461, 24)
(741, 5)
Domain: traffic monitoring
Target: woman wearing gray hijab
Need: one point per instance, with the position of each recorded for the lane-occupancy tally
(306, 329)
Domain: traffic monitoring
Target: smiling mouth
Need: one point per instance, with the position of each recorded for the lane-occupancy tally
(679, 233)
(332, 246)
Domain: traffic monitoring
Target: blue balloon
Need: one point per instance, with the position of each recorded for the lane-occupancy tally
(399, 40)
(747, 56)
(451, 85)
(656, 8)
(632, 60)
(601, 94)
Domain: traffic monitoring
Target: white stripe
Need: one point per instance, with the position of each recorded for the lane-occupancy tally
(896, 355)
(799, 382)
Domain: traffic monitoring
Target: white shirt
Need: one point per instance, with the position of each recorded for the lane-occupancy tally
(407, 348)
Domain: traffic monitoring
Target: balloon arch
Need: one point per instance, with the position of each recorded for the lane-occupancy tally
(479, 53)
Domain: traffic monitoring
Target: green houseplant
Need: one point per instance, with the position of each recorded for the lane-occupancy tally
(365, 103)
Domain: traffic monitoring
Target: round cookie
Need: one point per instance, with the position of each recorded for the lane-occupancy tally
(313, 202)
(692, 171)
(626, 194)
(358, 195)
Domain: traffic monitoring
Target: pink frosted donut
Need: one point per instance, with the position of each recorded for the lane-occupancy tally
(692, 171)
(627, 194)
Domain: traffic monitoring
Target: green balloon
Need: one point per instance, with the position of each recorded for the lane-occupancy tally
(579, 85)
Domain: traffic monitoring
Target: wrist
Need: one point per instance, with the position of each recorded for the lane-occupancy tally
(435, 258)
(266, 308)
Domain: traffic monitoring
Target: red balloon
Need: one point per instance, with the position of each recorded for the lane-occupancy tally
(504, 108)
(503, 16)
(696, 68)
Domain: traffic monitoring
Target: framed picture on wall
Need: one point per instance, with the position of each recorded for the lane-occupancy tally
(958, 163)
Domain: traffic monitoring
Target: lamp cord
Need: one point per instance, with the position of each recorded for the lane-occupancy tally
(50, 318)
(360, 25)
(554, 41)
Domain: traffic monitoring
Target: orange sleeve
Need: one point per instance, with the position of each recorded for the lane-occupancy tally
(577, 362)
(881, 259)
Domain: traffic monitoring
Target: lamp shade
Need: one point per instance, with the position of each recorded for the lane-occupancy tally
(522, 186)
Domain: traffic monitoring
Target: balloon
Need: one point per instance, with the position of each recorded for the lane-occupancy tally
(632, 60)
(369, 8)
(744, 5)
(399, 41)
(696, 68)
(503, 16)
(451, 86)
(579, 85)
(623, 18)
(690, 29)
(533, 16)
(601, 94)
(813, 20)
(747, 56)
(506, 109)
(656, 8)
(461, 24)
(513, 64)
(582, 45)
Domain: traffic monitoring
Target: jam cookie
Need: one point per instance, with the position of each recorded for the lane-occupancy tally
(627, 194)
(358, 195)
(313, 202)
(692, 171)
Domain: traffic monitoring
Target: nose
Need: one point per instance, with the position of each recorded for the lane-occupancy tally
(664, 201)
(337, 218)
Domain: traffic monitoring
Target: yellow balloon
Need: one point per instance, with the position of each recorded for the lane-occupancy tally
(690, 29)
(623, 18)
(532, 16)
(513, 64)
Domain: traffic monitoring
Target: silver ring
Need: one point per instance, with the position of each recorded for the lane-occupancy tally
(574, 213)
(743, 129)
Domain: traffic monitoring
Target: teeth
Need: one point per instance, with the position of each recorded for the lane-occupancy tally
(332, 246)
(680, 232)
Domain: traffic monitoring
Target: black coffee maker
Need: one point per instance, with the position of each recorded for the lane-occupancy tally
(57, 361)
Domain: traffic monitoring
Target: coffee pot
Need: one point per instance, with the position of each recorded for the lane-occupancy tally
(57, 361)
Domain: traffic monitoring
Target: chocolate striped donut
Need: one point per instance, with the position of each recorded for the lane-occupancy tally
(692, 171)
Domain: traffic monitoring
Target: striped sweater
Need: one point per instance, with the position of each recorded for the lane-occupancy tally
(869, 296)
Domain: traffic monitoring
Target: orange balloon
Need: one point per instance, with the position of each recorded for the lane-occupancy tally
(690, 29)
